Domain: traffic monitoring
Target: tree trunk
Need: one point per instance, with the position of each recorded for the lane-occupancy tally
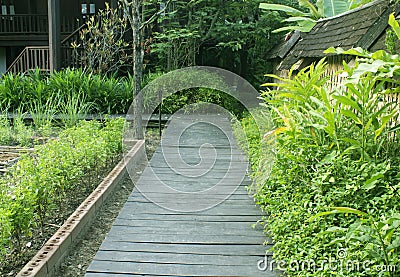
(137, 67)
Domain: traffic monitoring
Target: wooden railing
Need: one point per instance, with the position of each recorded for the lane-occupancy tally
(30, 58)
(36, 24)
(25, 23)
(71, 55)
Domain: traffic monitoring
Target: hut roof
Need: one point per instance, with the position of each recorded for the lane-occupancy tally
(360, 27)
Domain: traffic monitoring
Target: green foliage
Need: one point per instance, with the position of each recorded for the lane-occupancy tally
(305, 21)
(334, 148)
(391, 41)
(201, 33)
(191, 99)
(68, 91)
(34, 189)
(22, 133)
(176, 48)
(103, 44)
(5, 130)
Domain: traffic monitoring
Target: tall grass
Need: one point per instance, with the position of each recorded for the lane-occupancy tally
(101, 94)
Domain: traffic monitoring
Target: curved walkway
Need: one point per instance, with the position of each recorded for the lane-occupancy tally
(190, 214)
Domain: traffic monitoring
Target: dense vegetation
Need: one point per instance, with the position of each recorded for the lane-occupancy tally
(70, 95)
(332, 197)
(70, 90)
(234, 35)
(44, 187)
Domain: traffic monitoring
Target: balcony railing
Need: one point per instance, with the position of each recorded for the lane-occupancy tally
(36, 24)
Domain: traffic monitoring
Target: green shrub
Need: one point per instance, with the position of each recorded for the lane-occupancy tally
(332, 150)
(35, 188)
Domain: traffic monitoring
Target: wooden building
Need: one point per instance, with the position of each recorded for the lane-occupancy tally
(362, 27)
(24, 30)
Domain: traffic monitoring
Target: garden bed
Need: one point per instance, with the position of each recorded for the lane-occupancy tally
(50, 256)
(42, 186)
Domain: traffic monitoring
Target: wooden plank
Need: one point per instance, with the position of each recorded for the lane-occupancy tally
(138, 208)
(165, 198)
(176, 229)
(161, 269)
(178, 258)
(189, 217)
(234, 198)
(201, 192)
(118, 233)
(175, 226)
(206, 249)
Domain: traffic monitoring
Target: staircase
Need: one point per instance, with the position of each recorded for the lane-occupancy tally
(38, 57)
(32, 57)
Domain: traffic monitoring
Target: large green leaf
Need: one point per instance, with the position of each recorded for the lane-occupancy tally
(334, 7)
(394, 24)
(300, 19)
(347, 101)
(282, 8)
(304, 29)
(313, 10)
(358, 51)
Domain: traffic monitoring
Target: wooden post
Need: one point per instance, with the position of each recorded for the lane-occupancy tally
(54, 34)
(159, 112)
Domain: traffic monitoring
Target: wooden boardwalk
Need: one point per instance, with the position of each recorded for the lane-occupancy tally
(190, 214)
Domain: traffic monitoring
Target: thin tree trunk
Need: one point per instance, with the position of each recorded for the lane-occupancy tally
(137, 67)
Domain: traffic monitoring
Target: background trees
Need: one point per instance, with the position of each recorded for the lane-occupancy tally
(235, 35)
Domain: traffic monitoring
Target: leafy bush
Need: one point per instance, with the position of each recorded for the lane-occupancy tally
(336, 154)
(177, 96)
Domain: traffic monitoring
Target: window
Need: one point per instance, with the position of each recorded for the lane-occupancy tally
(88, 7)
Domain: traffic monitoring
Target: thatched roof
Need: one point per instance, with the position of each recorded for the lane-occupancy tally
(360, 27)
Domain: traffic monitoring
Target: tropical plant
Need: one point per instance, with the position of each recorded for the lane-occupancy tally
(306, 20)
(73, 109)
(335, 147)
(104, 47)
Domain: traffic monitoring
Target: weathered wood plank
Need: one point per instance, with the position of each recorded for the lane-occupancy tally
(118, 233)
(206, 249)
(178, 258)
(161, 269)
(174, 227)
(137, 208)
(205, 227)
(185, 217)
